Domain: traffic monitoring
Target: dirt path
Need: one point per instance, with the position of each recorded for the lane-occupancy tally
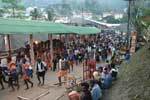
(51, 78)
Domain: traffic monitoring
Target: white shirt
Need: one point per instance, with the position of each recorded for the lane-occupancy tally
(3, 63)
(40, 68)
(89, 49)
(76, 52)
(115, 70)
(59, 64)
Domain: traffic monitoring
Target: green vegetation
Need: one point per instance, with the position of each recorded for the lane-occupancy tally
(65, 9)
(35, 14)
(11, 6)
(140, 16)
(93, 6)
(50, 13)
(1, 12)
(111, 19)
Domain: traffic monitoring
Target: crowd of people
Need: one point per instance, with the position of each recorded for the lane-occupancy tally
(13, 70)
(104, 49)
(108, 51)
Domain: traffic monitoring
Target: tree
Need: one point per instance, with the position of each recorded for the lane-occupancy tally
(66, 9)
(13, 5)
(93, 6)
(111, 19)
(50, 13)
(146, 17)
(140, 16)
(35, 14)
(146, 22)
(1, 12)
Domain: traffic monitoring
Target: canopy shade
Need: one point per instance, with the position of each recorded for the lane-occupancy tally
(14, 26)
(11, 26)
(84, 30)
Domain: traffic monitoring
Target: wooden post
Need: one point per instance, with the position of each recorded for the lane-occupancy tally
(50, 37)
(9, 45)
(31, 50)
(60, 49)
(60, 37)
(83, 71)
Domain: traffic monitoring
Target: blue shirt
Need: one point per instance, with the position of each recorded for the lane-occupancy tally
(127, 56)
(107, 80)
(96, 92)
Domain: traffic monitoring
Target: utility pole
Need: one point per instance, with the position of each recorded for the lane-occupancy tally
(82, 17)
(128, 26)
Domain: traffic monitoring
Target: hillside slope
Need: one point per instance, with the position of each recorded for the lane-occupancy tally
(134, 78)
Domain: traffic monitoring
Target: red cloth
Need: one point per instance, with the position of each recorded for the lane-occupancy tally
(91, 64)
(91, 67)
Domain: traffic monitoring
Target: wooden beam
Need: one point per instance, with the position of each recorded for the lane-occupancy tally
(8, 44)
(31, 50)
(59, 83)
(60, 37)
(42, 95)
(22, 98)
(59, 97)
(50, 37)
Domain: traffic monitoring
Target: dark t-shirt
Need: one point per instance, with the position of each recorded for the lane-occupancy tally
(0, 71)
(86, 96)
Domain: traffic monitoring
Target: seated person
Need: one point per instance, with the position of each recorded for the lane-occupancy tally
(114, 71)
(96, 91)
(106, 79)
(74, 95)
(85, 94)
(97, 77)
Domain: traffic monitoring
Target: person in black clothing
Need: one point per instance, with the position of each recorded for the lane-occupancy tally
(2, 75)
(54, 64)
(113, 71)
(2, 78)
(97, 57)
(40, 70)
(86, 94)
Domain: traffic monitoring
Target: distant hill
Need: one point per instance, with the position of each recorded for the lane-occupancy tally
(39, 3)
(114, 4)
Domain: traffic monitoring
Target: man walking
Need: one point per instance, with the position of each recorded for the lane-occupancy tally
(40, 70)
